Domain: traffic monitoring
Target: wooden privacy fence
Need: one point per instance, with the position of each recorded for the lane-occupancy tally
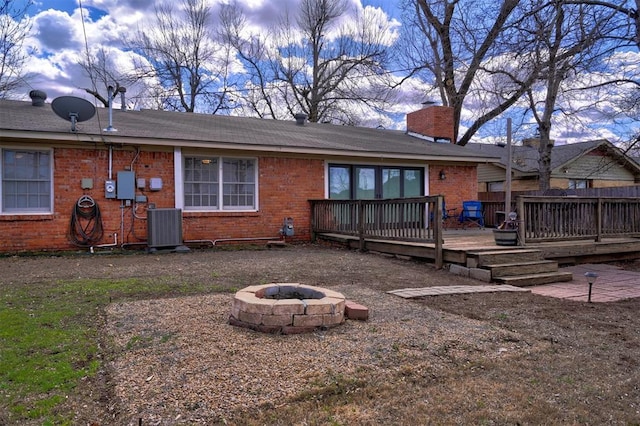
(403, 219)
(577, 218)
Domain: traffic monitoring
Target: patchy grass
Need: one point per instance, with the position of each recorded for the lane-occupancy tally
(577, 363)
(50, 340)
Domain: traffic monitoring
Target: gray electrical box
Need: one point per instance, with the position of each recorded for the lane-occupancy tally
(86, 183)
(126, 185)
(155, 184)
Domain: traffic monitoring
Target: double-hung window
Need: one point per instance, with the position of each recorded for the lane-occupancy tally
(220, 183)
(26, 182)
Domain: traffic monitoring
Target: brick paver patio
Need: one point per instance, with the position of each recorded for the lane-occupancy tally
(613, 283)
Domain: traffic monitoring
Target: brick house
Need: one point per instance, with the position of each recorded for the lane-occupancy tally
(232, 178)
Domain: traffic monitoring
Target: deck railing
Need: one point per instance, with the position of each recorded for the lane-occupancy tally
(403, 219)
(577, 218)
(493, 203)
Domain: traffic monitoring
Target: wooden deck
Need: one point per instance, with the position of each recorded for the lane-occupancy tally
(459, 244)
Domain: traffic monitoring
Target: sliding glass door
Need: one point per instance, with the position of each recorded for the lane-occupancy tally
(361, 182)
(371, 182)
(365, 183)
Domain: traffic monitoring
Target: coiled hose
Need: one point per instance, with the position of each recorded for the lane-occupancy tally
(85, 227)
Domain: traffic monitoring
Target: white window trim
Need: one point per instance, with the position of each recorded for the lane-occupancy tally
(178, 178)
(178, 157)
(51, 183)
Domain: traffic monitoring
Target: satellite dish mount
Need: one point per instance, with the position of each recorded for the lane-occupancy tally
(73, 109)
(73, 117)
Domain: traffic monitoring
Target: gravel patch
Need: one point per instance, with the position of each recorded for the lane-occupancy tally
(178, 361)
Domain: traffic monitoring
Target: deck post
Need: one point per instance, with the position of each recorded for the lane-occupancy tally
(599, 220)
(521, 220)
(313, 221)
(361, 216)
(437, 232)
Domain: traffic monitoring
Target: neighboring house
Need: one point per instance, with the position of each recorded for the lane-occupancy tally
(592, 164)
(232, 178)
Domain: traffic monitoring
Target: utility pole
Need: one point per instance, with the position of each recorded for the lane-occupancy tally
(507, 183)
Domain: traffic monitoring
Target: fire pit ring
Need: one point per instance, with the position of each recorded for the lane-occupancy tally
(287, 308)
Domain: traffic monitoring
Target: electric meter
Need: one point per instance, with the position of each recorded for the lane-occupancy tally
(110, 189)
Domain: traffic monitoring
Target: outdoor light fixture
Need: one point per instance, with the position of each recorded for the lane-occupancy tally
(442, 175)
(591, 278)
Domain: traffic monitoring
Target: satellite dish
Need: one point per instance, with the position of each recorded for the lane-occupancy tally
(73, 109)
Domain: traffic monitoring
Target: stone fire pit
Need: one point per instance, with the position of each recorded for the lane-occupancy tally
(287, 308)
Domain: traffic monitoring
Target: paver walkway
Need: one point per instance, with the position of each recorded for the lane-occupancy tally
(408, 293)
(613, 283)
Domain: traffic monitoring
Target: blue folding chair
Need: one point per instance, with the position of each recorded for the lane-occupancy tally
(447, 215)
(472, 214)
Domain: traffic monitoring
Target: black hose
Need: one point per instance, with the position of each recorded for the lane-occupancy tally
(85, 227)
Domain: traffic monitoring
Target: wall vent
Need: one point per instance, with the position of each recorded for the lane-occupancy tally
(164, 228)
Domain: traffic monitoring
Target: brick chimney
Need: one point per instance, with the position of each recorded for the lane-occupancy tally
(433, 121)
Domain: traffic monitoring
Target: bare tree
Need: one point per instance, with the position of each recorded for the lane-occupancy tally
(313, 62)
(254, 54)
(625, 87)
(14, 27)
(621, 7)
(568, 37)
(458, 43)
(104, 75)
(183, 57)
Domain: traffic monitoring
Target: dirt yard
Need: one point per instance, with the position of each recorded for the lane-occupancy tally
(500, 358)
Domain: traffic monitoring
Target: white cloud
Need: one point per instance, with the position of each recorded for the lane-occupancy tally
(54, 31)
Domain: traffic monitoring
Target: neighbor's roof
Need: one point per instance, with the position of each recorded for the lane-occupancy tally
(525, 158)
(21, 120)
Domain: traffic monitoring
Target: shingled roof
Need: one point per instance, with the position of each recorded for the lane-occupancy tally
(21, 120)
(525, 158)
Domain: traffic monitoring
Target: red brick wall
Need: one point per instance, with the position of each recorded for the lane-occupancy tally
(434, 121)
(50, 232)
(285, 185)
(461, 184)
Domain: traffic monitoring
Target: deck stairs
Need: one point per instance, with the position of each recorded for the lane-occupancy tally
(517, 267)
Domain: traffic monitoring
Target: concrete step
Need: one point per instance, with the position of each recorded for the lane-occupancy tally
(477, 259)
(535, 279)
(522, 268)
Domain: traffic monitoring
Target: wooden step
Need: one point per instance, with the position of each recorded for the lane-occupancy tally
(477, 259)
(535, 279)
(522, 268)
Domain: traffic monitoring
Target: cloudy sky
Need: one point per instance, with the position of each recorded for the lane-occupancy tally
(60, 38)
(62, 32)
